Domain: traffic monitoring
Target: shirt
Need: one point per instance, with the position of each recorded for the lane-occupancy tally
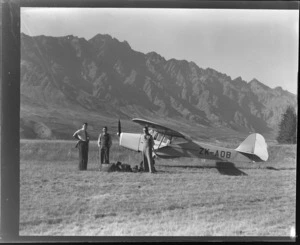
(104, 140)
(82, 135)
(148, 141)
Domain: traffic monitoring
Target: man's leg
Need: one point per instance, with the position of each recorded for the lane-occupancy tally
(99, 158)
(85, 155)
(102, 155)
(149, 160)
(153, 164)
(107, 155)
(80, 149)
(149, 163)
(145, 162)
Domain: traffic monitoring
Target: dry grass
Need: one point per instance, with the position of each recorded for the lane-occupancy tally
(194, 199)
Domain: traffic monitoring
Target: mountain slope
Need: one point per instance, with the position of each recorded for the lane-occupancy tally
(105, 77)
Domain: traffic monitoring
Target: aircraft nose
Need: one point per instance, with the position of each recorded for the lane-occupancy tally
(131, 141)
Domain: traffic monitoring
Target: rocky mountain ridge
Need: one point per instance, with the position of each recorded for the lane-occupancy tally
(106, 76)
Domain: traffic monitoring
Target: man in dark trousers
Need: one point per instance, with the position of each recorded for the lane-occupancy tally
(104, 142)
(147, 151)
(83, 146)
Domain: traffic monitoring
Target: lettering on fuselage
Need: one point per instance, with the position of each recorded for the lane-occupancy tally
(223, 154)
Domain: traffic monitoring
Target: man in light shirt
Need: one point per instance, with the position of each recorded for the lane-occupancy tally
(82, 145)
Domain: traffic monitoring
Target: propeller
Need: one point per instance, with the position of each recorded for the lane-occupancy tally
(119, 128)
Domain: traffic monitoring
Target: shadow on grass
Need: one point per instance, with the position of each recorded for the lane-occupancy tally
(185, 166)
(228, 168)
(272, 168)
(176, 169)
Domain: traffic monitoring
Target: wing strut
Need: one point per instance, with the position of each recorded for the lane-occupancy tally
(159, 144)
(161, 140)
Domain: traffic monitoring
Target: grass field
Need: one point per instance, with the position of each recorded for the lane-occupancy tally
(186, 197)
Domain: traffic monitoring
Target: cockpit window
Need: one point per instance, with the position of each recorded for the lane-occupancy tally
(154, 134)
(166, 138)
(160, 137)
(178, 140)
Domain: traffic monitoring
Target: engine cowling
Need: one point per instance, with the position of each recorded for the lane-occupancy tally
(131, 141)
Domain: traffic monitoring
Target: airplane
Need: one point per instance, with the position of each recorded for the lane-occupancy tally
(173, 144)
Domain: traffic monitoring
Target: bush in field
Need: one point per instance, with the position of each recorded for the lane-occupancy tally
(287, 127)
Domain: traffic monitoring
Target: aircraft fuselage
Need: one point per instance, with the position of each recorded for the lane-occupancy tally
(192, 149)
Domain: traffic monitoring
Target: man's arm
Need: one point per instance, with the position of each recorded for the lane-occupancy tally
(99, 140)
(75, 135)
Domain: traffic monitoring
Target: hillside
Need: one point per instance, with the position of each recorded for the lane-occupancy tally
(68, 80)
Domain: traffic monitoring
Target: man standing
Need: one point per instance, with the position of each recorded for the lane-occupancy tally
(104, 142)
(82, 145)
(147, 151)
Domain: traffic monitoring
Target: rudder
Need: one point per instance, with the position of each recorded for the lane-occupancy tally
(254, 147)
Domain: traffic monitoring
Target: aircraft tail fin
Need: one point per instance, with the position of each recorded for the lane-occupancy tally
(254, 147)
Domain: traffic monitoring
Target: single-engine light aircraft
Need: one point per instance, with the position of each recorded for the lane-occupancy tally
(173, 144)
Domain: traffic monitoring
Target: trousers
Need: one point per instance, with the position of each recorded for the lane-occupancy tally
(104, 155)
(147, 160)
(83, 148)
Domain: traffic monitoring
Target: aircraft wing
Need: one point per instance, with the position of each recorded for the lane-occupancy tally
(159, 128)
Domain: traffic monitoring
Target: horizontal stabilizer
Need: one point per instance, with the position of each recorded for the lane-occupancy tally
(254, 145)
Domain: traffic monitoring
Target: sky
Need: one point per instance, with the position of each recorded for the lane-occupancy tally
(260, 43)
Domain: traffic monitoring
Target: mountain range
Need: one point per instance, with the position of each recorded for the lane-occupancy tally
(65, 80)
